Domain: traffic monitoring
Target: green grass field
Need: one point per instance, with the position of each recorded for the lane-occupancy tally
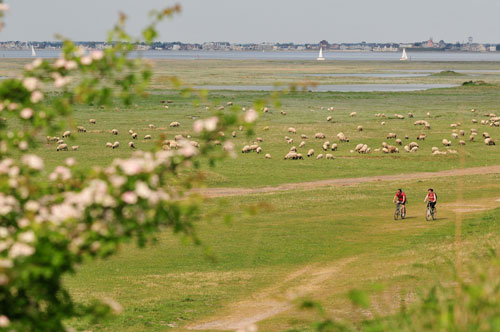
(314, 243)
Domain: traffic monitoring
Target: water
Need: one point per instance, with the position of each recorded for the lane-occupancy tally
(284, 55)
(388, 75)
(334, 88)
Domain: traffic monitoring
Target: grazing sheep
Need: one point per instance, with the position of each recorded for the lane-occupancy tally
(326, 145)
(299, 156)
(258, 150)
(134, 135)
(310, 153)
(195, 144)
(471, 138)
(399, 116)
(391, 135)
(382, 123)
(265, 110)
(233, 134)
(454, 135)
(151, 126)
(421, 137)
(147, 137)
(268, 156)
(246, 149)
(413, 145)
(240, 128)
(293, 148)
(303, 136)
(474, 121)
(489, 141)
(353, 114)
(175, 124)
(114, 132)
(291, 155)
(393, 149)
(429, 114)
(266, 128)
(398, 142)
(473, 110)
(453, 125)
(319, 156)
(446, 142)
(130, 131)
(320, 136)
(81, 129)
(60, 141)
(406, 137)
(462, 132)
(328, 156)
(334, 147)
(301, 145)
(461, 142)
(385, 150)
(289, 141)
(359, 128)
(260, 139)
(328, 118)
(406, 148)
(131, 145)
(62, 147)
(178, 137)
(115, 145)
(342, 137)
(66, 134)
(253, 147)
(75, 147)
(410, 115)
(292, 130)
(283, 113)
(109, 144)
(486, 135)
(434, 148)
(92, 121)
(358, 147)
(229, 103)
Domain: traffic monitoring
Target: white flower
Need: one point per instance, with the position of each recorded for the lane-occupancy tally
(211, 123)
(4, 321)
(24, 222)
(86, 60)
(60, 81)
(60, 172)
(32, 206)
(37, 63)
(60, 63)
(188, 150)
(198, 126)
(33, 161)
(131, 166)
(26, 237)
(129, 197)
(4, 232)
(23, 145)
(36, 96)
(117, 181)
(12, 106)
(6, 263)
(251, 115)
(142, 189)
(21, 249)
(97, 54)
(70, 65)
(70, 162)
(31, 83)
(4, 7)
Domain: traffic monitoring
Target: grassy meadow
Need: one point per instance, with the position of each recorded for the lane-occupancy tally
(307, 243)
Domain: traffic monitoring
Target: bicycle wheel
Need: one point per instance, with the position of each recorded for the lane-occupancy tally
(428, 215)
(396, 214)
(403, 214)
(434, 214)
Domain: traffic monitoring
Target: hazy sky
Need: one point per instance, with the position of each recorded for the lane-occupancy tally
(263, 20)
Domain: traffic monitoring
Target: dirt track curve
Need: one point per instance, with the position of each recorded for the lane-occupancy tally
(221, 192)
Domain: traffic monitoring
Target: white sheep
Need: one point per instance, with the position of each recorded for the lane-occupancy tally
(293, 148)
(258, 150)
(134, 135)
(147, 137)
(334, 147)
(301, 145)
(489, 141)
(303, 136)
(109, 145)
(382, 123)
(292, 130)
(461, 142)
(391, 135)
(328, 156)
(398, 141)
(75, 147)
(233, 134)
(92, 121)
(328, 118)
(81, 129)
(114, 132)
(268, 156)
(319, 156)
(359, 128)
(320, 136)
(454, 135)
(353, 114)
(446, 142)
(283, 113)
(115, 145)
(62, 147)
(175, 124)
(66, 134)
(310, 153)
(131, 145)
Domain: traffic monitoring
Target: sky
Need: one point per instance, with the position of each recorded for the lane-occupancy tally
(256, 21)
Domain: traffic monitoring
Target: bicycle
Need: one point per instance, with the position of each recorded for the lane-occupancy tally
(430, 213)
(399, 212)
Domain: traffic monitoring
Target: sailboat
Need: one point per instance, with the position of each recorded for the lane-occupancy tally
(404, 57)
(320, 56)
(33, 53)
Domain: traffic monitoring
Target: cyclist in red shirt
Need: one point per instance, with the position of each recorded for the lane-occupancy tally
(432, 197)
(400, 198)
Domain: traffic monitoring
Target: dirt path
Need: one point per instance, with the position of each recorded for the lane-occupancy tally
(275, 299)
(220, 192)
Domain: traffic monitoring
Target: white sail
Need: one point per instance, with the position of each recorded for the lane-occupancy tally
(33, 53)
(404, 57)
(320, 56)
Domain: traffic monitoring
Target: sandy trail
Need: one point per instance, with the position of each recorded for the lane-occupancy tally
(275, 299)
(220, 192)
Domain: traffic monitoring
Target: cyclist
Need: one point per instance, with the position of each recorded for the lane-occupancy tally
(400, 198)
(432, 197)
